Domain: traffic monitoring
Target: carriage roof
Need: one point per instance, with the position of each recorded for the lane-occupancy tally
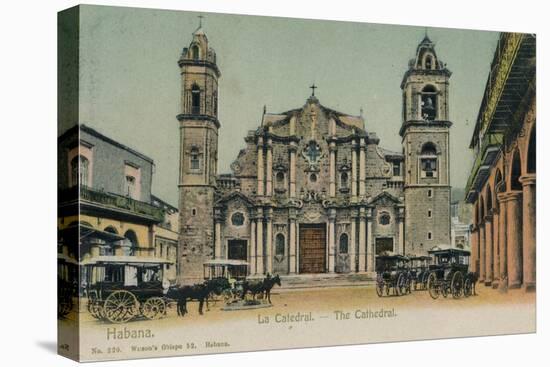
(127, 260)
(226, 262)
(392, 257)
(449, 251)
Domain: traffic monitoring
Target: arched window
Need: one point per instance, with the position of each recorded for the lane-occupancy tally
(79, 170)
(194, 159)
(195, 52)
(195, 100)
(237, 219)
(111, 229)
(384, 219)
(428, 161)
(344, 243)
(344, 180)
(131, 237)
(429, 62)
(280, 245)
(429, 103)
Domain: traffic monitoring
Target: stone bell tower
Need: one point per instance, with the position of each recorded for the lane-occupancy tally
(425, 139)
(199, 125)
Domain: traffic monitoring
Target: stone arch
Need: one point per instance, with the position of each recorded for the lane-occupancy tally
(532, 151)
(515, 171)
(131, 236)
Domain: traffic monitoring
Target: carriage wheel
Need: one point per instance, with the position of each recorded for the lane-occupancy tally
(380, 289)
(120, 306)
(457, 283)
(433, 286)
(154, 308)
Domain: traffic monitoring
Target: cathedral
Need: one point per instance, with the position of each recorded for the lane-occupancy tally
(312, 191)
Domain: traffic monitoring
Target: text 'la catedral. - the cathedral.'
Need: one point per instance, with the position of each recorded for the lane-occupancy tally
(312, 191)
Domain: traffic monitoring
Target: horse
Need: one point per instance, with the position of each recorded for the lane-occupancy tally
(197, 292)
(261, 287)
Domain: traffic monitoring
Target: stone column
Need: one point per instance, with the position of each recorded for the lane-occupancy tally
(260, 167)
(514, 238)
(332, 173)
(218, 239)
(488, 249)
(260, 242)
(292, 244)
(353, 243)
(252, 262)
(496, 255)
(331, 242)
(362, 237)
(474, 236)
(362, 167)
(401, 239)
(269, 241)
(292, 177)
(502, 241)
(482, 252)
(354, 169)
(529, 231)
(269, 169)
(370, 243)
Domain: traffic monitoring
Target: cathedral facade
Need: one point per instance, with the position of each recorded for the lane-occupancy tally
(312, 191)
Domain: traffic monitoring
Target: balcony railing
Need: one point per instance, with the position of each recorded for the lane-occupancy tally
(490, 145)
(121, 202)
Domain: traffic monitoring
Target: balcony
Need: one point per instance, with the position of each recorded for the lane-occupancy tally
(488, 152)
(121, 204)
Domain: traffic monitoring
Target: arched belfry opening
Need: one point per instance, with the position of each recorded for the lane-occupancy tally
(429, 103)
(195, 52)
(195, 100)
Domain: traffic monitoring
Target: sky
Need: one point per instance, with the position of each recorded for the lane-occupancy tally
(130, 80)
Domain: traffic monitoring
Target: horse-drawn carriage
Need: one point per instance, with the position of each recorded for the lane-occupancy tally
(450, 275)
(121, 288)
(392, 275)
(234, 271)
(420, 271)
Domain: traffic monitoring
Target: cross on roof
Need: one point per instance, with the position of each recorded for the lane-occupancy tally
(313, 87)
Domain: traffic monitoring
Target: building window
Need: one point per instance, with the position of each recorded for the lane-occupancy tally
(428, 161)
(280, 178)
(429, 62)
(193, 212)
(280, 245)
(131, 186)
(429, 213)
(194, 159)
(237, 219)
(195, 53)
(384, 219)
(313, 178)
(195, 100)
(131, 243)
(79, 170)
(429, 193)
(429, 103)
(429, 235)
(344, 180)
(397, 168)
(344, 243)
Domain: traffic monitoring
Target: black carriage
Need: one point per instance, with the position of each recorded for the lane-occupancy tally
(420, 271)
(230, 274)
(121, 288)
(449, 273)
(392, 275)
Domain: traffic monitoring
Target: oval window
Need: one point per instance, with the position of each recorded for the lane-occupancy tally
(237, 219)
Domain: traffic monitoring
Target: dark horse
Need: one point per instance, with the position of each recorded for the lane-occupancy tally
(197, 292)
(261, 286)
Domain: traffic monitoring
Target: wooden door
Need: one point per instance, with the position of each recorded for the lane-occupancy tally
(312, 248)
